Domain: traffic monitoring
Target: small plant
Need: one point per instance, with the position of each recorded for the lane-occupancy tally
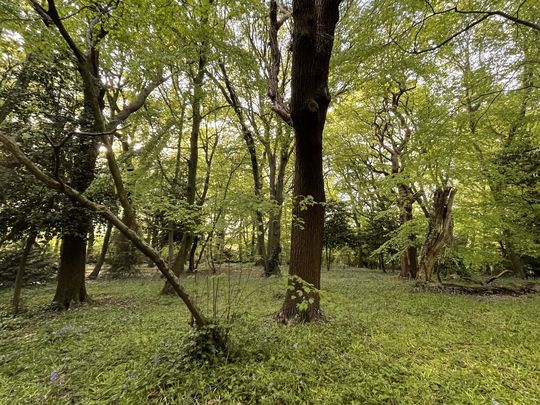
(209, 344)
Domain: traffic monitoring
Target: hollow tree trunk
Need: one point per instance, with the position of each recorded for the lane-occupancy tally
(439, 230)
(102, 254)
(20, 271)
(313, 36)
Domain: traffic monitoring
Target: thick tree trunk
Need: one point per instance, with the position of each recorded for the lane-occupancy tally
(20, 272)
(71, 270)
(313, 36)
(70, 287)
(103, 253)
(439, 231)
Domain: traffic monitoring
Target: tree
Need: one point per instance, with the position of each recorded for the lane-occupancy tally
(337, 230)
(313, 38)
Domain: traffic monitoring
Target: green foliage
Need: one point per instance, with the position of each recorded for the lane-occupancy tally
(337, 228)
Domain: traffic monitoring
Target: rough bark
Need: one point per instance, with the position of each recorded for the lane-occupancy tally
(313, 36)
(70, 287)
(439, 230)
(71, 270)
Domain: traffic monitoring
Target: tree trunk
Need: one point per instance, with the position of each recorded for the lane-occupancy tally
(170, 244)
(381, 261)
(20, 271)
(313, 36)
(409, 257)
(515, 259)
(274, 244)
(90, 243)
(188, 236)
(70, 286)
(103, 253)
(124, 261)
(277, 184)
(192, 252)
(439, 230)
(71, 270)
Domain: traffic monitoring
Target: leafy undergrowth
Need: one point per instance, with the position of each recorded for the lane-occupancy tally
(383, 342)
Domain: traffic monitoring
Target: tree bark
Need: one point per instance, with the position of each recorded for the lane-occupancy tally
(313, 36)
(20, 271)
(188, 235)
(124, 261)
(90, 243)
(103, 253)
(71, 270)
(409, 257)
(439, 230)
(70, 286)
(12, 146)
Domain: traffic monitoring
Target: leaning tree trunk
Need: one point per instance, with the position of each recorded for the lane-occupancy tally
(439, 230)
(103, 253)
(313, 37)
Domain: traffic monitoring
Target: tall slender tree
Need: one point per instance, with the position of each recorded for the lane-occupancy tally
(314, 24)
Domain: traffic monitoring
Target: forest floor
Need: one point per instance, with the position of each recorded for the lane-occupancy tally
(384, 342)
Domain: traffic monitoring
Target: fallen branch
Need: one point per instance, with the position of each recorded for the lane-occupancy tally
(492, 279)
(529, 288)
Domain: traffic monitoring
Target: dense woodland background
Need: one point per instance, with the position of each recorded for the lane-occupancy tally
(176, 141)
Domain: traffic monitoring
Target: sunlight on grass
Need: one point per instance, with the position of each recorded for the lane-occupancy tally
(382, 343)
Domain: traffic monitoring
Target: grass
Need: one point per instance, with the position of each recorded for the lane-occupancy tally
(383, 343)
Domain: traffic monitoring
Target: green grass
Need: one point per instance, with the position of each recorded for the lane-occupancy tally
(383, 343)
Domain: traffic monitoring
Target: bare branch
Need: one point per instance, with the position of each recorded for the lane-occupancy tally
(274, 94)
